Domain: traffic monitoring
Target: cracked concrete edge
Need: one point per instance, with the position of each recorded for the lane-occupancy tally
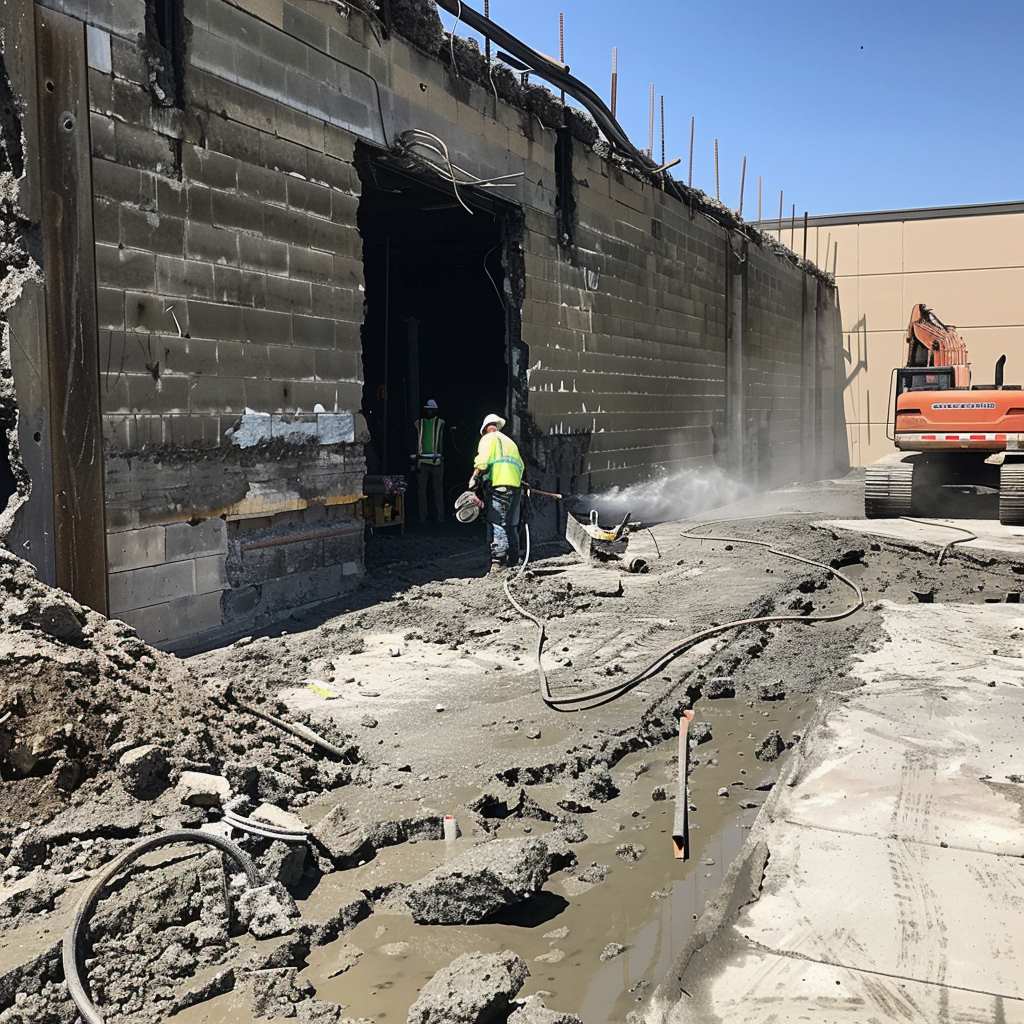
(682, 992)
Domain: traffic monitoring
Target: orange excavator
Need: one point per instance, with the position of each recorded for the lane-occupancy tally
(948, 430)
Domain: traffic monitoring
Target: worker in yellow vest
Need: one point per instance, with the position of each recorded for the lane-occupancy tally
(499, 464)
(429, 461)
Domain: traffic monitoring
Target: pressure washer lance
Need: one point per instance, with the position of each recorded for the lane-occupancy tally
(469, 504)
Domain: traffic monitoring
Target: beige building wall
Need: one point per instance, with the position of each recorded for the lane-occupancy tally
(967, 263)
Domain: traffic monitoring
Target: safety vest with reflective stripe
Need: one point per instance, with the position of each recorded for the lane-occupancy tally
(430, 439)
(498, 456)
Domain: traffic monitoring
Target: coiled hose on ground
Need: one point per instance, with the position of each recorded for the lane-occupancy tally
(599, 696)
(72, 953)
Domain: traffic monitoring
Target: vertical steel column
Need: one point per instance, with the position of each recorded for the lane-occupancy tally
(69, 266)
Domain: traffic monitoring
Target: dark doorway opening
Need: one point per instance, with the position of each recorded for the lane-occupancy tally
(436, 323)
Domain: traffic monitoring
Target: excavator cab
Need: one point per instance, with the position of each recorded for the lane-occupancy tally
(927, 378)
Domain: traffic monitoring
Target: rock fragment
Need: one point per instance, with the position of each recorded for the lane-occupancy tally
(143, 771)
(612, 950)
(481, 882)
(630, 852)
(199, 789)
(533, 1011)
(719, 688)
(770, 747)
(473, 989)
(593, 787)
(771, 691)
(264, 913)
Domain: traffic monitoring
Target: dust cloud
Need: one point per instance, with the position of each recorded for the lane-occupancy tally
(672, 496)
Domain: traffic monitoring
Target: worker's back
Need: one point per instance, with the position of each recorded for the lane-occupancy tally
(499, 454)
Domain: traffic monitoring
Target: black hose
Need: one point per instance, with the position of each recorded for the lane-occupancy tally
(600, 696)
(556, 75)
(72, 953)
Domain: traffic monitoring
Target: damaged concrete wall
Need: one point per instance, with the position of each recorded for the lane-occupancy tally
(230, 296)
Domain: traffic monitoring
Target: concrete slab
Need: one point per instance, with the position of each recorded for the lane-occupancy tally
(992, 535)
(950, 917)
(894, 888)
(764, 988)
(927, 748)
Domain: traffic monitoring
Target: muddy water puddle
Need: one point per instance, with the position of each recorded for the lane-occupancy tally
(649, 907)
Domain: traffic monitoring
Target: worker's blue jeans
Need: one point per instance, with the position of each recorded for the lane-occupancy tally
(503, 524)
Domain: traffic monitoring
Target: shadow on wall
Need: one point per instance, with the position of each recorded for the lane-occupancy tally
(554, 462)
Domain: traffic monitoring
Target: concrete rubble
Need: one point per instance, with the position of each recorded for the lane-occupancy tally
(473, 989)
(483, 881)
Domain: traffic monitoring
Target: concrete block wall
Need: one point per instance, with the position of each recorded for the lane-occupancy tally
(167, 581)
(229, 282)
(230, 285)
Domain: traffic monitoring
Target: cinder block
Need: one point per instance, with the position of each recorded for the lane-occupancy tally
(134, 549)
(215, 320)
(203, 242)
(97, 43)
(177, 620)
(211, 574)
(125, 268)
(209, 537)
(140, 588)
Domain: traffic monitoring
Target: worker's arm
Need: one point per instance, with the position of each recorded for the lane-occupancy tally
(482, 460)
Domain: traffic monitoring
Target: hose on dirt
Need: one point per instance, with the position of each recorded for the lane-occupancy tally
(945, 526)
(72, 954)
(600, 696)
(264, 829)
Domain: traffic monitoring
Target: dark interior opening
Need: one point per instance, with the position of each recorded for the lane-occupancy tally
(435, 323)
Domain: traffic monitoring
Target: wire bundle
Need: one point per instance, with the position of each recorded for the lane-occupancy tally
(415, 140)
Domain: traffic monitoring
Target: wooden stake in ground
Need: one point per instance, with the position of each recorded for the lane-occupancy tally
(680, 826)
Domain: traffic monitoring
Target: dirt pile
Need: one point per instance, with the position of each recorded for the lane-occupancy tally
(87, 707)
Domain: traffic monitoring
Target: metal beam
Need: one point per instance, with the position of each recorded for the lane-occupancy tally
(69, 268)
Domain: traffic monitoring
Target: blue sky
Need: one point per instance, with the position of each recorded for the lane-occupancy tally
(846, 107)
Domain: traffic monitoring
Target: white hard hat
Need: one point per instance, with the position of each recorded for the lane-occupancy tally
(430, 404)
(488, 420)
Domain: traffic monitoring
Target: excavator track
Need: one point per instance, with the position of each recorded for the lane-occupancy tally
(1011, 493)
(889, 490)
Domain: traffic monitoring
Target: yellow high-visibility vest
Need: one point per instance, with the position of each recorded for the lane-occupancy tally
(498, 456)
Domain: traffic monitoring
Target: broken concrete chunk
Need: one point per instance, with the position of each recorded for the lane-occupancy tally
(345, 842)
(612, 950)
(262, 911)
(630, 852)
(771, 691)
(699, 732)
(771, 746)
(273, 815)
(719, 688)
(533, 1011)
(592, 787)
(143, 771)
(289, 952)
(571, 830)
(473, 989)
(481, 882)
(659, 793)
(221, 982)
(198, 789)
(284, 863)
